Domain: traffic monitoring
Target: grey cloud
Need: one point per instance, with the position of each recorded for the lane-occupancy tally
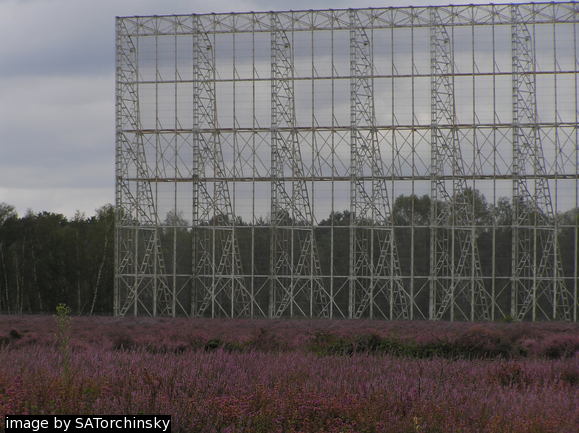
(57, 87)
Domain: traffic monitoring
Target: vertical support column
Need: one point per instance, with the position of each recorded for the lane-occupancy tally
(220, 288)
(575, 294)
(538, 290)
(376, 287)
(203, 262)
(120, 174)
(174, 291)
(295, 265)
(494, 291)
(121, 266)
(412, 288)
(457, 289)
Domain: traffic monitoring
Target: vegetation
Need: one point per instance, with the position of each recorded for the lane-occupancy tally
(274, 376)
(63, 336)
(288, 376)
(405, 339)
(47, 259)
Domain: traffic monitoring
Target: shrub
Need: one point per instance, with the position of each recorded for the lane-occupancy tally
(368, 344)
(560, 346)
(570, 376)
(123, 342)
(216, 343)
(264, 341)
(4, 341)
(511, 374)
(14, 334)
(63, 335)
(325, 343)
(483, 342)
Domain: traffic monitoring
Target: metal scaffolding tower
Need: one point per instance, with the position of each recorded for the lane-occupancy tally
(376, 289)
(384, 163)
(457, 289)
(139, 257)
(219, 284)
(296, 286)
(537, 270)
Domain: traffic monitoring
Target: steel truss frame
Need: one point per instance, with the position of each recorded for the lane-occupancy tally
(261, 159)
(143, 275)
(296, 285)
(455, 271)
(376, 288)
(537, 270)
(219, 284)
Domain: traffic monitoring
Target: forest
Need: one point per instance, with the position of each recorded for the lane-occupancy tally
(47, 258)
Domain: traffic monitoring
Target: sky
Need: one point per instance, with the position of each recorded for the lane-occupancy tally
(57, 93)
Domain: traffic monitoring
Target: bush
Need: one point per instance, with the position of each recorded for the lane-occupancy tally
(264, 341)
(570, 376)
(483, 342)
(511, 374)
(328, 344)
(476, 343)
(63, 335)
(15, 335)
(216, 343)
(123, 342)
(213, 344)
(560, 346)
(325, 343)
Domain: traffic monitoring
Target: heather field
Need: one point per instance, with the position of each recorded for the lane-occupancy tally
(296, 376)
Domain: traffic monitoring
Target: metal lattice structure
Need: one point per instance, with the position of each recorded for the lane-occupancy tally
(389, 163)
(454, 266)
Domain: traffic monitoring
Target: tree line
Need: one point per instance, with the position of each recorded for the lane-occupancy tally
(47, 259)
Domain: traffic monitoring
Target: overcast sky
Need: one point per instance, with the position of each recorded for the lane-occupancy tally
(57, 93)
